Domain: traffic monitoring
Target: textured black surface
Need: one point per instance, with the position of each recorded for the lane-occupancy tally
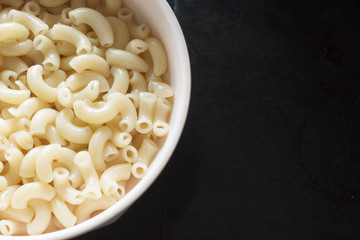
(271, 146)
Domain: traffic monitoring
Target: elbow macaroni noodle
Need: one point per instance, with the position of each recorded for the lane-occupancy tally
(83, 109)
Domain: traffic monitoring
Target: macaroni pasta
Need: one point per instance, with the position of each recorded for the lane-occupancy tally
(83, 108)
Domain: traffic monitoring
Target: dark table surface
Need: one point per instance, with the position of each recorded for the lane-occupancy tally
(271, 145)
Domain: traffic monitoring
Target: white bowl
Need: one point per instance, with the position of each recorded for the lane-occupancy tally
(164, 25)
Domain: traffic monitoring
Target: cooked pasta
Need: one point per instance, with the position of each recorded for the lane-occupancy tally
(13, 31)
(18, 48)
(82, 107)
(96, 21)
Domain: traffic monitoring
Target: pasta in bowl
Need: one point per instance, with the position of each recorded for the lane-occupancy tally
(93, 98)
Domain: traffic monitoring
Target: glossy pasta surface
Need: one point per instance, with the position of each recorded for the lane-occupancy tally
(83, 110)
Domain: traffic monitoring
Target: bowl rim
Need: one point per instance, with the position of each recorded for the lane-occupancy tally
(178, 119)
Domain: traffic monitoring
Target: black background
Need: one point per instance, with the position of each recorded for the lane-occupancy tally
(271, 145)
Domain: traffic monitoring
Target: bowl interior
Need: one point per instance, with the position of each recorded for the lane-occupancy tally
(164, 25)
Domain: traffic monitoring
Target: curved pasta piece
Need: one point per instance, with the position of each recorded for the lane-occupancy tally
(69, 131)
(126, 60)
(51, 19)
(140, 31)
(160, 89)
(42, 217)
(121, 80)
(22, 139)
(28, 191)
(64, 189)
(64, 16)
(95, 114)
(63, 155)
(147, 102)
(115, 103)
(136, 46)
(16, 49)
(16, 124)
(137, 82)
(90, 62)
(67, 98)
(80, 80)
(33, 23)
(139, 170)
(41, 119)
(149, 75)
(121, 139)
(129, 154)
(49, 51)
(120, 193)
(96, 147)
(84, 210)
(158, 55)
(73, 36)
(52, 136)
(9, 77)
(121, 32)
(13, 96)
(29, 107)
(3, 14)
(160, 122)
(38, 85)
(32, 8)
(128, 113)
(92, 188)
(96, 21)
(147, 151)
(23, 215)
(6, 196)
(138, 85)
(110, 152)
(13, 30)
(62, 212)
(112, 175)
(12, 227)
(14, 157)
(28, 164)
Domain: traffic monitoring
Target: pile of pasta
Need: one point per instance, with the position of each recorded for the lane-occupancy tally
(84, 105)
